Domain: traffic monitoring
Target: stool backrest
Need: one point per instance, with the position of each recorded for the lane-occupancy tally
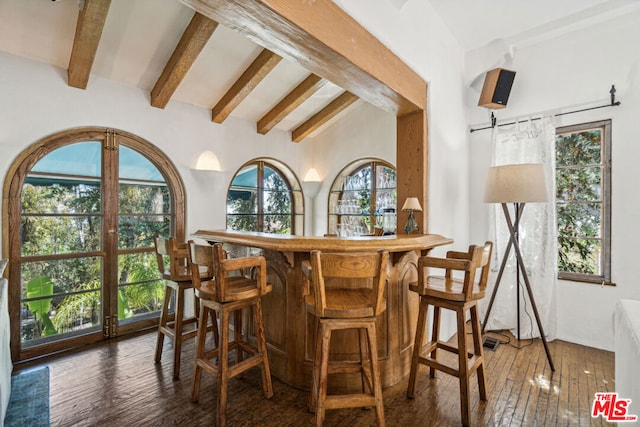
(256, 266)
(477, 257)
(176, 254)
(201, 260)
(349, 266)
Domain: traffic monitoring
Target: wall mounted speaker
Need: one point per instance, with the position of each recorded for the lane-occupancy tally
(496, 88)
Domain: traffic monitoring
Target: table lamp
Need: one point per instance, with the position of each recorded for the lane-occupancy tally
(411, 204)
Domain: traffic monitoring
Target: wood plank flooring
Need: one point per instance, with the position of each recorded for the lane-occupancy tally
(117, 383)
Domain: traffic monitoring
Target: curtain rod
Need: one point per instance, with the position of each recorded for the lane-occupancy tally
(614, 103)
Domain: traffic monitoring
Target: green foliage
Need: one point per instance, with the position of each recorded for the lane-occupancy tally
(38, 288)
(579, 201)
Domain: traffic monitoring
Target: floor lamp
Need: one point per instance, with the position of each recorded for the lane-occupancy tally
(517, 184)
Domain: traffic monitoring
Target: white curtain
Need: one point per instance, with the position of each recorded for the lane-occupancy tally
(531, 141)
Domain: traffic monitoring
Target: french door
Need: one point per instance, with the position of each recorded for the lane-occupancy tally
(83, 208)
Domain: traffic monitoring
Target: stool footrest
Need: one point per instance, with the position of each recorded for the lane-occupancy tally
(349, 401)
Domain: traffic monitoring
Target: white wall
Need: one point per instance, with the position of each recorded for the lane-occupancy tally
(574, 70)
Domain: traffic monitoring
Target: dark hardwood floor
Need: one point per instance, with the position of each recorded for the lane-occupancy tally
(118, 384)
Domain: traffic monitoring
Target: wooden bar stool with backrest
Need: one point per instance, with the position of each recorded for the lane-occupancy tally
(226, 295)
(353, 306)
(458, 295)
(175, 270)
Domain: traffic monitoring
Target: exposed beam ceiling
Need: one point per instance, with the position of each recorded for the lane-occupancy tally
(323, 116)
(91, 19)
(252, 76)
(297, 96)
(193, 40)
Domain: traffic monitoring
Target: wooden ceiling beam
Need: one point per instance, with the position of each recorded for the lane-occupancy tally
(322, 38)
(91, 19)
(193, 40)
(323, 116)
(252, 76)
(290, 102)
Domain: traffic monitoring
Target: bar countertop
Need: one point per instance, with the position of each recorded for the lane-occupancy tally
(289, 243)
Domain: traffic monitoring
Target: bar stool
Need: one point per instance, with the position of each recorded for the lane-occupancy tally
(177, 278)
(457, 295)
(337, 308)
(226, 295)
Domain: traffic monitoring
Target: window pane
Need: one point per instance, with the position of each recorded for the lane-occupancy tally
(138, 292)
(143, 199)
(80, 159)
(48, 235)
(579, 148)
(242, 222)
(579, 184)
(579, 219)
(386, 177)
(579, 256)
(140, 299)
(279, 224)
(242, 201)
(60, 296)
(246, 177)
(277, 202)
(139, 231)
(53, 195)
(133, 165)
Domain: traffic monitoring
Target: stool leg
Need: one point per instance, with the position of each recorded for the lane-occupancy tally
(214, 326)
(315, 375)
(463, 367)
(164, 314)
(375, 373)
(200, 351)
(417, 347)
(477, 350)
(237, 333)
(365, 372)
(262, 348)
(435, 337)
(177, 332)
(325, 337)
(223, 369)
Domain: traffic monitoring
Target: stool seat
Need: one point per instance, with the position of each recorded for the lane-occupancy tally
(345, 304)
(459, 296)
(447, 288)
(239, 288)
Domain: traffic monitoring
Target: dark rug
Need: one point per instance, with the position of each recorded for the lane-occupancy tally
(29, 401)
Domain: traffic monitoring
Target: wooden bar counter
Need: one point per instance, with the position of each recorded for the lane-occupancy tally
(290, 329)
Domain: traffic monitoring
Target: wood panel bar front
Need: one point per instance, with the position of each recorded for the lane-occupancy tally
(291, 330)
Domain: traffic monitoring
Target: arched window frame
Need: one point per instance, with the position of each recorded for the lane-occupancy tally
(12, 202)
(374, 216)
(292, 182)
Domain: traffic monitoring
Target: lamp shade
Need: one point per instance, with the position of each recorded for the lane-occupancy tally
(516, 183)
(412, 204)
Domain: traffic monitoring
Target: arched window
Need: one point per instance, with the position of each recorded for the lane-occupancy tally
(362, 198)
(265, 195)
(83, 207)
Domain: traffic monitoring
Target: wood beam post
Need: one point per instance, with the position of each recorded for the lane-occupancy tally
(412, 165)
